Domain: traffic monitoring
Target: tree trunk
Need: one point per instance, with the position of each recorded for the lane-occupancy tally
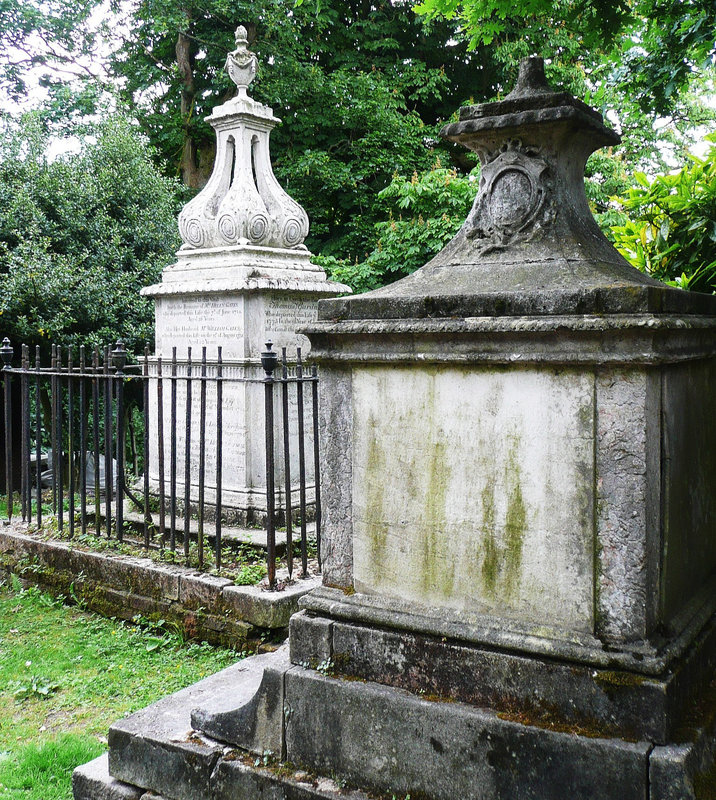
(189, 166)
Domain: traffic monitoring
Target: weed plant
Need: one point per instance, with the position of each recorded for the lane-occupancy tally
(66, 675)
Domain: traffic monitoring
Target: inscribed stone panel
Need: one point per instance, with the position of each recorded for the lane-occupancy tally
(210, 320)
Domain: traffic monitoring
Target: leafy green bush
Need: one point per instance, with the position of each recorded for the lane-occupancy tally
(671, 230)
(80, 235)
(423, 214)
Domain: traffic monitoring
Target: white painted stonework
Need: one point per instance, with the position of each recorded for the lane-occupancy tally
(476, 494)
(242, 276)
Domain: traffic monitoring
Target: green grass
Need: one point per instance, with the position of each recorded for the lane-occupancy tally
(66, 675)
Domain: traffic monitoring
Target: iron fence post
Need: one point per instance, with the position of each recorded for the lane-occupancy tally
(119, 359)
(107, 443)
(187, 457)
(316, 463)
(287, 463)
(6, 352)
(83, 440)
(219, 453)
(25, 491)
(71, 441)
(269, 359)
(38, 436)
(145, 402)
(301, 463)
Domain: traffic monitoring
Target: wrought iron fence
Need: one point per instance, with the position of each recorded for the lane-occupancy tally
(73, 421)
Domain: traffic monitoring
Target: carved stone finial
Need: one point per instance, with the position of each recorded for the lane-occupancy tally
(531, 79)
(241, 63)
(532, 148)
(242, 203)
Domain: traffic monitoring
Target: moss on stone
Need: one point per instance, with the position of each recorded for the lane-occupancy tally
(515, 520)
(375, 522)
(608, 679)
(705, 784)
(490, 560)
(434, 575)
(548, 719)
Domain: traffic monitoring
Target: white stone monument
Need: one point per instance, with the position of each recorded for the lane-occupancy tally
(243, 276)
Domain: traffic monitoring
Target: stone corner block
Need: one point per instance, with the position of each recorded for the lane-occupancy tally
(685, 771)
(266, 609)
(92, 781)
(248, 709)
(310, 639)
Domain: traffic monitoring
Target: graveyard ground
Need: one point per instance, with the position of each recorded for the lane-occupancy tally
(66, 675)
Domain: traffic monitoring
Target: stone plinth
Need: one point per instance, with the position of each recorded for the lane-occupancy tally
(242, 277)
(546, 474)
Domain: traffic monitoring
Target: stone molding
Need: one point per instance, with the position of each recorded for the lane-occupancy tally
(643, 339)
(520, 637)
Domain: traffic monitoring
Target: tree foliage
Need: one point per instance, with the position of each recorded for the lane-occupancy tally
(423, 213)
(361, 88)
(53, 47)
(645, 64)
(658, 44)
(671, 233)
(80, 236)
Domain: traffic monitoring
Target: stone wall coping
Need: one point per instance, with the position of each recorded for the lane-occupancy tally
(518, 323)
(167, 584)
(628, 339)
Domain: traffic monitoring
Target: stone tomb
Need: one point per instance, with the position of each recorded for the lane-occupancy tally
(527, 457)
(519, 545)
(242, 277)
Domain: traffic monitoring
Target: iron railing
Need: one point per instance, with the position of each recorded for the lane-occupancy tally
(73, 419)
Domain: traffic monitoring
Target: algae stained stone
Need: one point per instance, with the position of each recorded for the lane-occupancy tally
(518, 446)
(474, 511)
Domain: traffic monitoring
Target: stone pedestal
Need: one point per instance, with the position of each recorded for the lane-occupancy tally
(250, 296)
(242, 277)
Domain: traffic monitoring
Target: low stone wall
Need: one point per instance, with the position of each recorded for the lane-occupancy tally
(201, 606)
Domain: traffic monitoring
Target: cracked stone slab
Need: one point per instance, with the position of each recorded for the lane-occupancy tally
(157, 749)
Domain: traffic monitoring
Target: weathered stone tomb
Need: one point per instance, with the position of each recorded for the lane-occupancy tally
(520, 525)
(243, 276)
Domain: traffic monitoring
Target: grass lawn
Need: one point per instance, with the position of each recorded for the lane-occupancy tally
(66, 675)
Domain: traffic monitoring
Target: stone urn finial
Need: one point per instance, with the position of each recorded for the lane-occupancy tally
(242, 204)
(241, 63)
(531, 79)
(530, 244)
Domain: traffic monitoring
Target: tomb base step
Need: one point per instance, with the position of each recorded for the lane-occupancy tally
(382, 739)
(608, 699)
(92, 781)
